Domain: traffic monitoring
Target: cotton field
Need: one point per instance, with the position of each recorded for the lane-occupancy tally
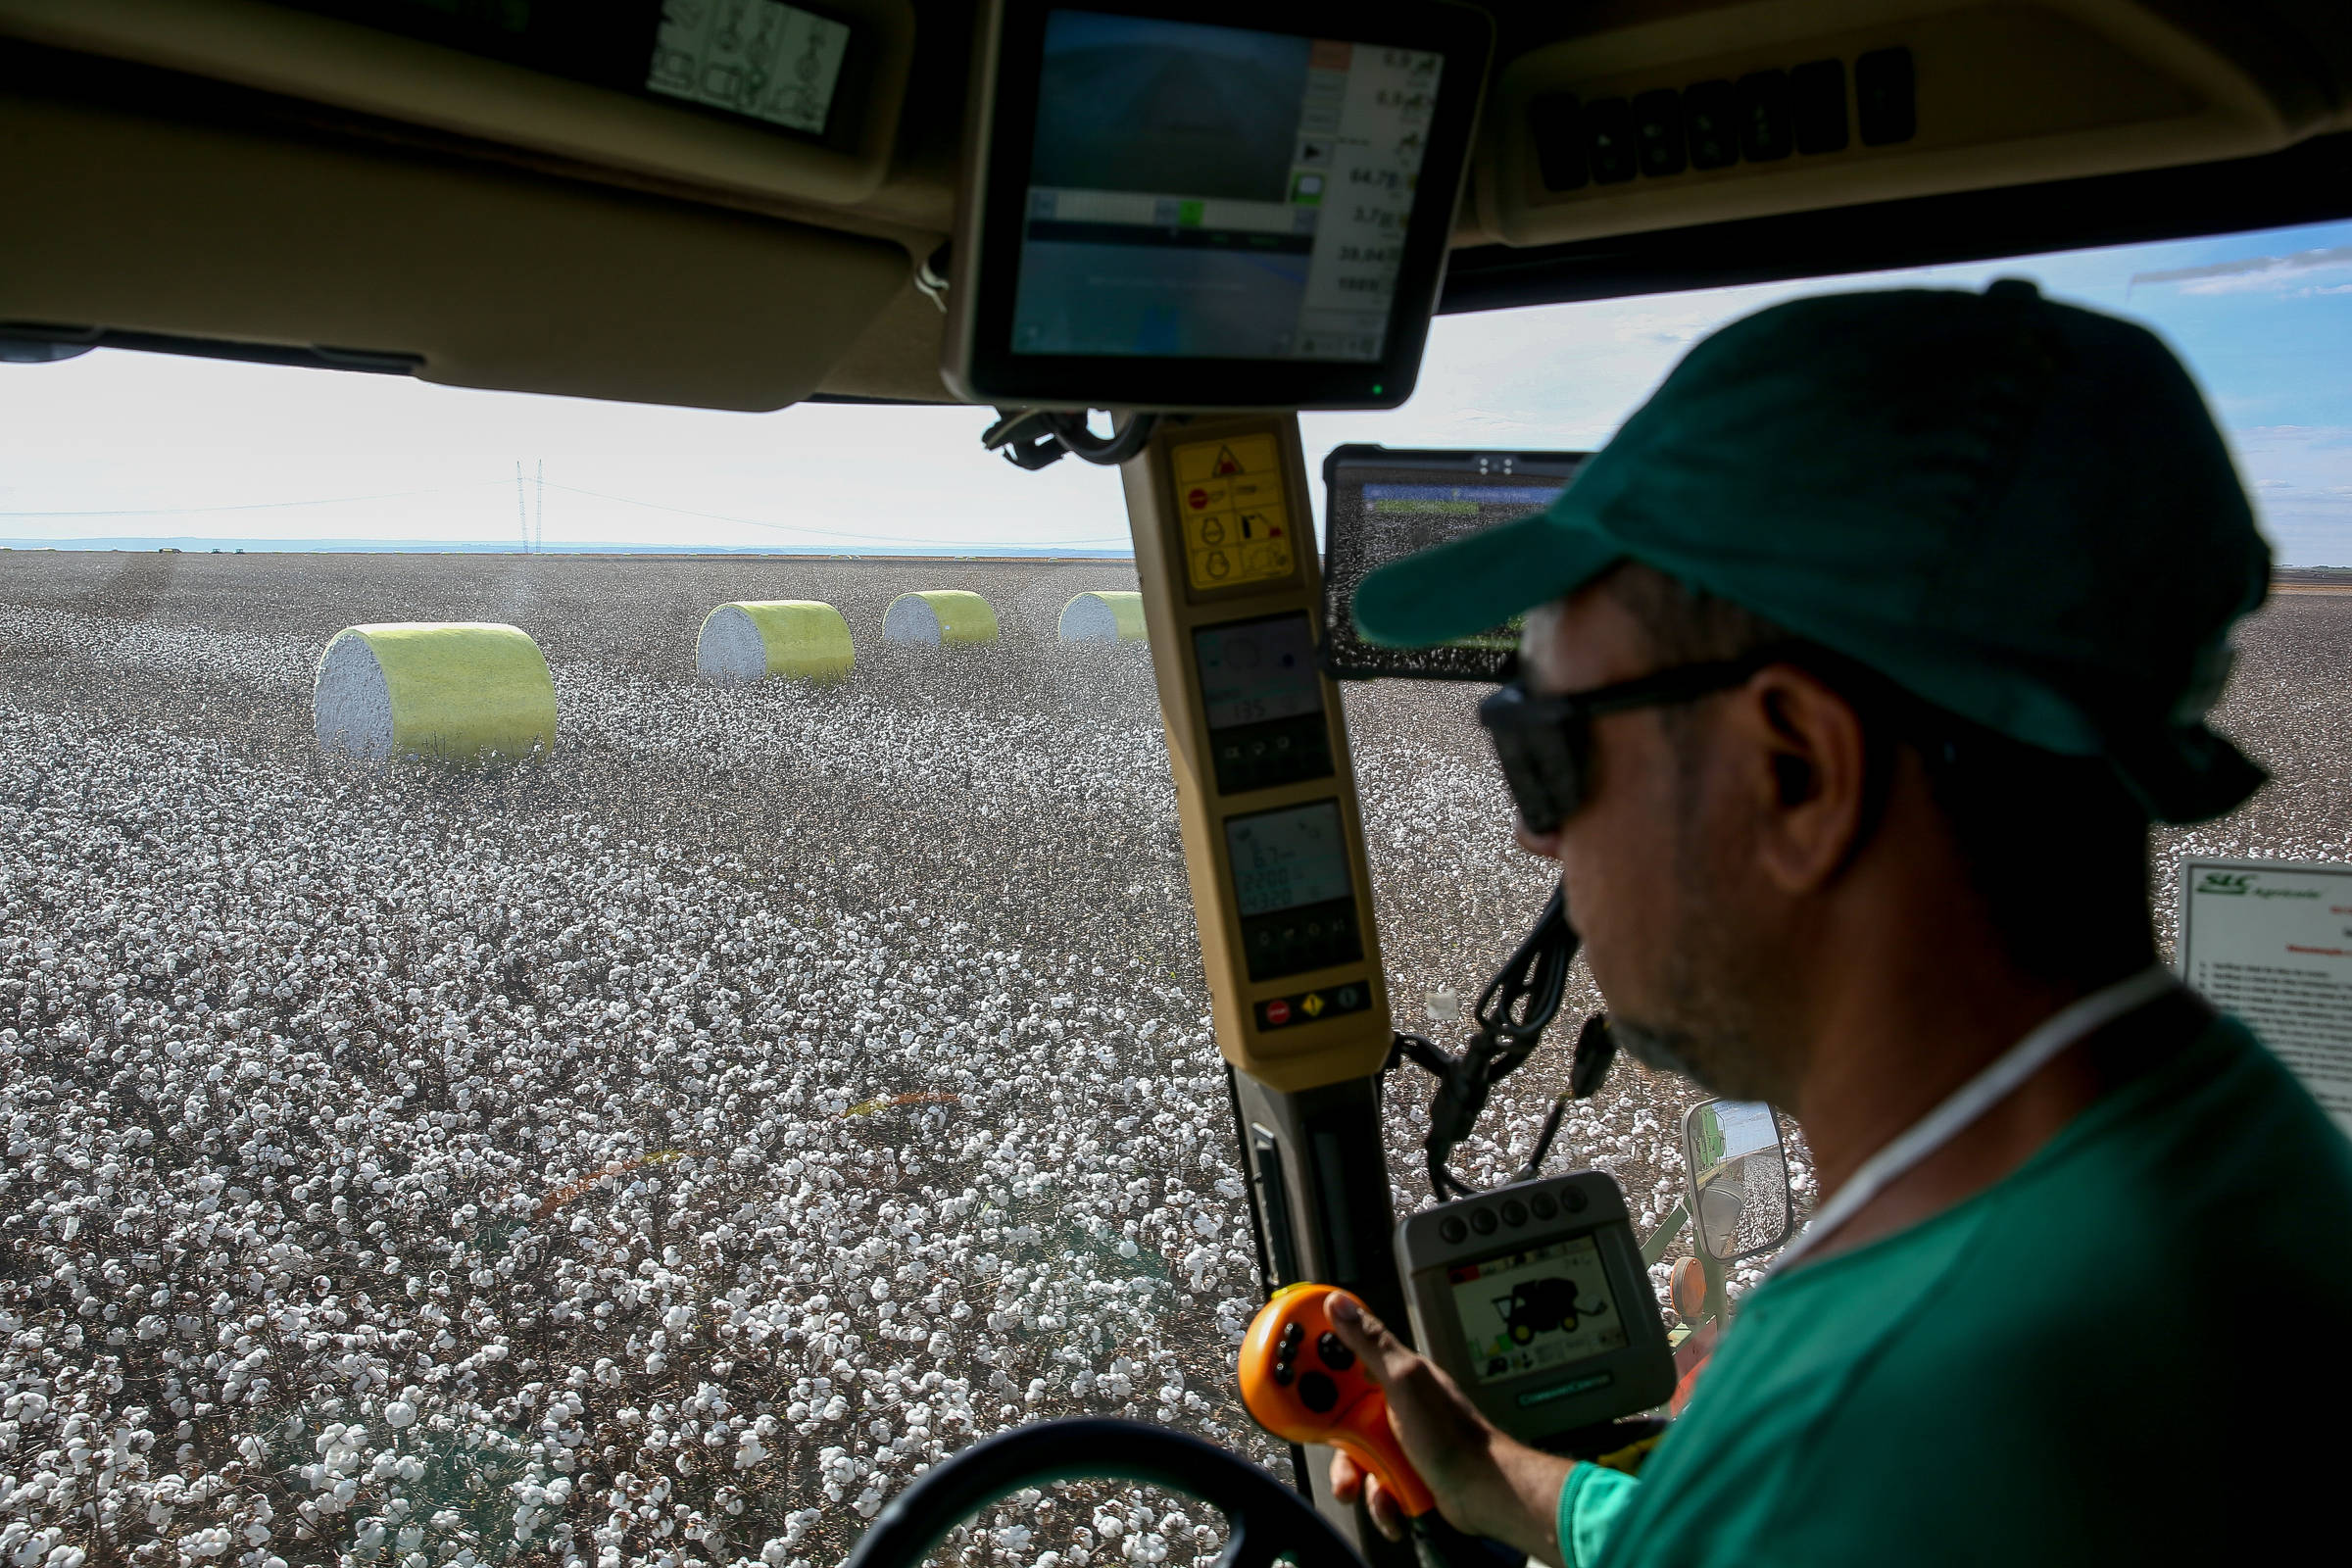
(659, 1152)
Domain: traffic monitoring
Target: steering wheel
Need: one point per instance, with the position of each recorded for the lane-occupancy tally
(1266, 1519)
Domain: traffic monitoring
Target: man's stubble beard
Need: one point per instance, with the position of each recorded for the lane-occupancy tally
(1712, 978)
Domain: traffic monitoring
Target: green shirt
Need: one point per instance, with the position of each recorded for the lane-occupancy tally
(2131, 1349)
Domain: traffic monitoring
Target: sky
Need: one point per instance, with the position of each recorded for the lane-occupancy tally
(116, 445)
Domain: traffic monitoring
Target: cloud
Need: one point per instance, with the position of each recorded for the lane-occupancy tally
(2250, 273)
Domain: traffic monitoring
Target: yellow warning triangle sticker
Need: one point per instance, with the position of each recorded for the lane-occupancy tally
(1227, 464)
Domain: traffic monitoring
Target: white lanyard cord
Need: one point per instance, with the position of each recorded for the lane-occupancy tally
(1979, 1093)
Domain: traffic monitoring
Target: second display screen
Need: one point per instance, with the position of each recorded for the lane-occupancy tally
(1264, 703)
(1291, 884)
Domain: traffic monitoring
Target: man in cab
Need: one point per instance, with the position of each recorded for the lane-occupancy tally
(1854, 673)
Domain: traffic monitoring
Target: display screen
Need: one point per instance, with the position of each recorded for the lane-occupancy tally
(1204, 192)
(757, 58)
(1291, 884)
(1381, 506)
(1264, 699)
(1528, 1311)
(1254, 670)
(1287, 859)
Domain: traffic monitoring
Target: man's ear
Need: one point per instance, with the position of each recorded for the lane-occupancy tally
(1812, 779)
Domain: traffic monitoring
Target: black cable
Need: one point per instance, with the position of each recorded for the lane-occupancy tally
(1513, 1011)
(1037, 438)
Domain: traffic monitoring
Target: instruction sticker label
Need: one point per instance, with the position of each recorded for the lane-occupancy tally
(2271, 941)
(1236, 525)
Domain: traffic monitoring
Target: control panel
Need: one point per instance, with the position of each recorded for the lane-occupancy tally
(1534, 1298)
(1226, 558)
(1302, 1384)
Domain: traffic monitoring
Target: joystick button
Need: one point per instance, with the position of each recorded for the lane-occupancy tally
(1333, 1354)
(1514, 1212)
(1543, 1207)
(1452, 1228)
(1282, 1373)
(1318, 1393)
(1481, 1220)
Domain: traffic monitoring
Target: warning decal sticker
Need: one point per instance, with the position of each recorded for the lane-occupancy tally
(1236, 525)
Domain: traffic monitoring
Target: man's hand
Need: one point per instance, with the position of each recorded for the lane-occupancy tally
(1485, 1483)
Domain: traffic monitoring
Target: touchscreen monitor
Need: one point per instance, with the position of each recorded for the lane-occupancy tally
(1177, 206)
(1383, 504)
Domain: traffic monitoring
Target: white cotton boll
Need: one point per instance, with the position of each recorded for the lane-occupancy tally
(655, 1364)
(399, 1413)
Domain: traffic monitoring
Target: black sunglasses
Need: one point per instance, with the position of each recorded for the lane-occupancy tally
(1546, 743)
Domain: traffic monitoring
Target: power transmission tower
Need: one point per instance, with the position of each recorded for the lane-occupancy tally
(522, 507)
(539, 511)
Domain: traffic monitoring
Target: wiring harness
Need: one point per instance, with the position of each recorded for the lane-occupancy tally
(1518, 1004)
(1037, 438)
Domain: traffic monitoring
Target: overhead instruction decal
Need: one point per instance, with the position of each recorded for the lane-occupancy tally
(2271, 941)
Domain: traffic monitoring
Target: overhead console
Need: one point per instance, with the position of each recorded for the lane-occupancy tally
(776, 99)
(1746, 111)
(1208, 205)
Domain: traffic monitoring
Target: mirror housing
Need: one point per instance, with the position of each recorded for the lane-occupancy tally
(1735, 1179)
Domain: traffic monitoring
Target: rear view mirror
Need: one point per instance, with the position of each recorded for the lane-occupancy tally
(1738, 1178)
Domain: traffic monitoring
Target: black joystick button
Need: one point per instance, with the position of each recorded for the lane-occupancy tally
(1543, 1207)
(1318, 1393)
(1514, 1212)
(1452, 1228)
(1481, 1220)
(1292, 1331)
(1282, 1372)
(1333, 1354)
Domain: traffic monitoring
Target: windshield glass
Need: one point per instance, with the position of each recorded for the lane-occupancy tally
(658, 1151)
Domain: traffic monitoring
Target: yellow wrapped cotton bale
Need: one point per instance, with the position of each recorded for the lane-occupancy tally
(1104, 617)
(800, 639)
(457, 689)
(939, 615)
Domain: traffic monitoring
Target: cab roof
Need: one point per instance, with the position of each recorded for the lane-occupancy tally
(282, 182)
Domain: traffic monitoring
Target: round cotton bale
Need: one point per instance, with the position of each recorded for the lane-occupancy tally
(1104, 617)
(800, 639)
(457, 690)
(939, 615)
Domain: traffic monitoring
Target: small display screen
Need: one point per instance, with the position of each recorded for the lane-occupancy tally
(1291, 885)
(1254, 670)
(1264, 699)
(1286, 860)
(757, 58)
(1203, 192)
(1528, 1311)
(1383, 506)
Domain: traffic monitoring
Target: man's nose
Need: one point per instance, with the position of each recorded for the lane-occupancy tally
(1545, 845)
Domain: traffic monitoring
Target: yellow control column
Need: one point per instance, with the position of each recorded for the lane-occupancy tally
(1224, 547)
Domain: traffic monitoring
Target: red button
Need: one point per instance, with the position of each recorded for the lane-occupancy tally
(1277, 1013)
(1198, 499)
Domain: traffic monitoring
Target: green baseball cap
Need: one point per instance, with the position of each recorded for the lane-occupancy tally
(2018, 511)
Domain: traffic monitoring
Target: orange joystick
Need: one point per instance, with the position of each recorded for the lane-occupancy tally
(1302, 1384)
